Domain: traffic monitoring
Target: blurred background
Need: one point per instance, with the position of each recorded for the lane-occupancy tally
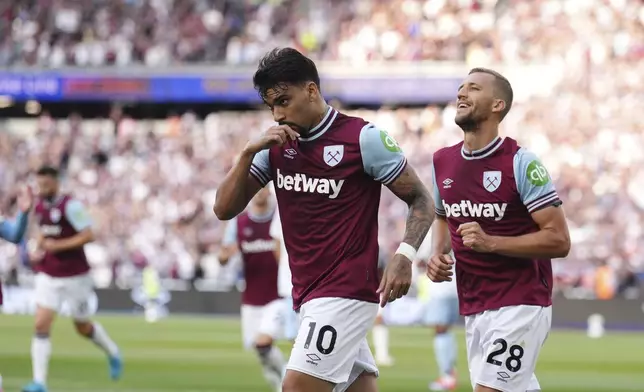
(144, 104)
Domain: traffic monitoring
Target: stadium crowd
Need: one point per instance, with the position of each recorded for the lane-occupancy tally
(150, 184)
(171, 32)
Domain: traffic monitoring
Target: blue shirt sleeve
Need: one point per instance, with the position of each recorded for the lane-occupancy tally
(230, 235)
(382, 158)
(261, 168)
(14, 231)
(533, 182)
(438, 201)
(77, 215)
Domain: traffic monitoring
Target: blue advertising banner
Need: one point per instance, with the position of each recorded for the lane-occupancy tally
(220, 86)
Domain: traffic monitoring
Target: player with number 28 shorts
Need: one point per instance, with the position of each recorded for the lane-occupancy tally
(500, 213)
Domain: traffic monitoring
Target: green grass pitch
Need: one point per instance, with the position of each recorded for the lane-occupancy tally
(204, 354)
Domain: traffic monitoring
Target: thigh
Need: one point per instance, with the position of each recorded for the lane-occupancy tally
(332, 338)
(250, 317)
(365, 382)
(364, 373)
(78, 295)
(511, 342)
(473, 346)
(271, 322)
(48, 292)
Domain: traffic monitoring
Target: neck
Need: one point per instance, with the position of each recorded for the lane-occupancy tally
(480, 137)
(320, 110)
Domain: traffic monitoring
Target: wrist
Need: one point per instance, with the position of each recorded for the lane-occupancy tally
(407, 250)
(494, 243)
(248, 151)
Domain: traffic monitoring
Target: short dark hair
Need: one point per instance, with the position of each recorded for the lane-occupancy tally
(502, 86)
(282, 66)
(48, 171)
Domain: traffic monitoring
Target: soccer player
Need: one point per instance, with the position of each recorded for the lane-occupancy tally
(498, 205)
(380, 332)
(261, 304)
(290, 318)
(328, 169)
(440, 311)
(63, 276)
(14, 231)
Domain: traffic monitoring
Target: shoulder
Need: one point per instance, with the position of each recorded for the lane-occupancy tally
(350, 123)
(350, 128)
(523, 157)
(70, 202)
(447, 152)
(371, 135)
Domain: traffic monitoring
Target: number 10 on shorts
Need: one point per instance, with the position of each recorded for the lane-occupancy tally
(326, 337)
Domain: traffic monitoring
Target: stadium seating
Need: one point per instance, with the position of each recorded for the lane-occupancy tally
(150, 183)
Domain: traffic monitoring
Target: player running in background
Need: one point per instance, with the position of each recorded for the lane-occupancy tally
(290, 318)
(328, 169)
(440, 311)
(497, 203)
(62, 276)
(261, 309)
(380, 331)
(15, 231)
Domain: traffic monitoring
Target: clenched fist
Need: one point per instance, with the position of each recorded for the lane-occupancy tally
(475, 238)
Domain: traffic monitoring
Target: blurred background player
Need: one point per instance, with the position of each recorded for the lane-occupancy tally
(499, 210)
(14, 231)
(290, 318)
(64, 227)
(380, 331)
(440, 304)
(262, 307)
(151, 286)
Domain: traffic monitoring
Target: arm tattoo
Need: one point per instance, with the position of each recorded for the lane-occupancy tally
(412, 191)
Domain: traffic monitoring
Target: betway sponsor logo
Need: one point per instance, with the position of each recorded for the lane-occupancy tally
(302, 183)
(468, 209)
(257, 246)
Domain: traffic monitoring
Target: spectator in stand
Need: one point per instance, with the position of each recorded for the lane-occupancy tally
(149, 180)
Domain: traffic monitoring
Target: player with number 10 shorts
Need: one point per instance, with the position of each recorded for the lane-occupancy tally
(500, 213)
(328, 170)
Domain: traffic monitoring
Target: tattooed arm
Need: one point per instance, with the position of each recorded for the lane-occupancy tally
(385, 162)
(412, 191)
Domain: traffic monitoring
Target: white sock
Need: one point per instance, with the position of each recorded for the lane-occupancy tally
(102, 340)
(381, 341)
(40, 352)
(273, 365)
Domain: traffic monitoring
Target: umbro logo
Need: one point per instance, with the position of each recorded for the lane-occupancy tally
(502, 376)
(313, 359)
(447, 183)
(290, 153)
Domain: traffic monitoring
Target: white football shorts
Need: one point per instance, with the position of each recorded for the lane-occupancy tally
(503, 346)
(331, 343)
(73, 292)
(264, 320)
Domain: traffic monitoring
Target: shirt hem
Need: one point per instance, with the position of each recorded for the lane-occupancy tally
(482, 309)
